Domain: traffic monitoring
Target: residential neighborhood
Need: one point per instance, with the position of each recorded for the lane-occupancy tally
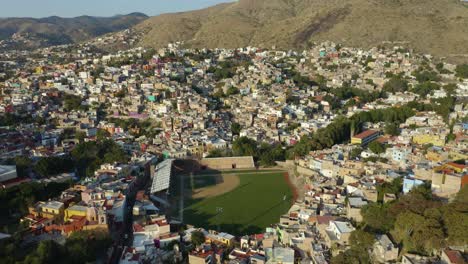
(374, 142)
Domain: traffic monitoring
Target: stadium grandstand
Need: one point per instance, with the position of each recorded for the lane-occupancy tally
(161, 180)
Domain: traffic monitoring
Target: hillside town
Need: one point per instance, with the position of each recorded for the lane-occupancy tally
(375, 142)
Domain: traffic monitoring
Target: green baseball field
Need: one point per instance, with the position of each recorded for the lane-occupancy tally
(238, 202)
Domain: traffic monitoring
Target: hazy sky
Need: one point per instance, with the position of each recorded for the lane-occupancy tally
(71, 8)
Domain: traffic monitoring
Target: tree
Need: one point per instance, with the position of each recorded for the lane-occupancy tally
(392, 129)
(455, 218)
(232, 90)
(80, 135)
(360, 242)
(197, 238)
(450, 89)
(244, 146)
(72, 102)
(377, 217)
(50, 166)
(361, 239)
(355, 153)
(425, 88)
(87, 246)
(216, 153)
(23, 165)
(102, 134)
(395, 84)
(462, 71)
(236, 128)
(426, 76)
(419, 233)
(88, 156)
(269, 154)
(353, 255)
(376, 147)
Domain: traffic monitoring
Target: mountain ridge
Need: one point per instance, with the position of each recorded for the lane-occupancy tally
(437, 27)
(55, 30)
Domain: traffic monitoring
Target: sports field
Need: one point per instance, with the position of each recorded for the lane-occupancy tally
(238, 202)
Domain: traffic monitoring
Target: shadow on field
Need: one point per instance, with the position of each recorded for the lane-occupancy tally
(201, 219)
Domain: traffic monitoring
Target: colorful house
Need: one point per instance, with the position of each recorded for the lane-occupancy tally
(220, 238)
(435, 139)
(410, 183)
(75, 210)
(365, 137)
(53, 209)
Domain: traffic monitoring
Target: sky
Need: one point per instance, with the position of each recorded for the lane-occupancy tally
(72, 8)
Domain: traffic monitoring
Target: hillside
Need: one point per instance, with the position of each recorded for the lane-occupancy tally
(437, 27)
(40, 32)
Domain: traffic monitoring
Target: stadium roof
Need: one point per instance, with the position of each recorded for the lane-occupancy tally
(162, 176)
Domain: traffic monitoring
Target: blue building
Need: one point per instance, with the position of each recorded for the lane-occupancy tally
(410, 183)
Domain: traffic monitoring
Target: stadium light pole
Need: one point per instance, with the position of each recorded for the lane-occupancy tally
(219, 211)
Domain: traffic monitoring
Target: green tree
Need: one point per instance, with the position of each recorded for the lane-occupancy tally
(232, 90)
(425, 88)
(102, 134)
(377, 217)
(376, 147)
(355, 153)
(462, 71)
(197, 238)
(50, 166)
(216, 153)
(360, 242)
(353, 255)
(244, 146)
(392, 129)
(87, 246)
(88, 156)
(80, 135)
(455, 218)
(361, 239)
(72, 102)
(423, 76)
(23, 166)
(450, 89)
(396, 84)
(269, 154)
(236, 128)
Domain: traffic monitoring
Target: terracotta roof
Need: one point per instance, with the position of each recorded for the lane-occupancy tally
(454, 256)
(322, 219)
(456, 165)
(365, 134)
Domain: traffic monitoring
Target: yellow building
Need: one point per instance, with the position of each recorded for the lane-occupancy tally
(197, 150)
(457, 155)
(75, 210)
(222, 238)
(435, 156)
(435, 140)
(52, 210)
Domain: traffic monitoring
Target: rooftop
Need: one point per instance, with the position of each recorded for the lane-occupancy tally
(356, 202)
(54, 205)
(344, 227)
(162, 176)
(365, 134)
